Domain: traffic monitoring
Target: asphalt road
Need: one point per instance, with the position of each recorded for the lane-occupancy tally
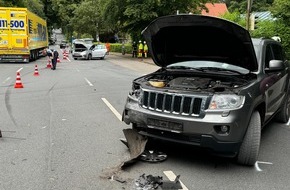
(62, 130)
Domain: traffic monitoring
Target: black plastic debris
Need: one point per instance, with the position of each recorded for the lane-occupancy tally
(153, 156)
(150, 182)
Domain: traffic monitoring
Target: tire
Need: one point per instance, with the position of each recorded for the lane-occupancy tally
(75, 58)
(90, 57)
(249, 149)
(283, 115)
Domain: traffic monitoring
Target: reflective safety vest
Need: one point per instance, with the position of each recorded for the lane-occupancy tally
(140, 47)
(145, 48)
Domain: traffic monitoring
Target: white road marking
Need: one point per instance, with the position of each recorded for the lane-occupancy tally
(88, 82)
(260, 162)
(19, 69)
(8, 78)
(112, 109)
(171, 176)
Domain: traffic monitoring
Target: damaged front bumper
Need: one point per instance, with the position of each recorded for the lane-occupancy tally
(202, 131)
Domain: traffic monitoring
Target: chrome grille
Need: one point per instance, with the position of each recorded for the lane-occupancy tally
(184, 104)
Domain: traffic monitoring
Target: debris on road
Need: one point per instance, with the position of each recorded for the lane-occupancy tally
(150, 182)
(136, 144)
(153, 156)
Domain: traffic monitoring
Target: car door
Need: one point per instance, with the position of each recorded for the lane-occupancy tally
(95, 52)
(275, 80)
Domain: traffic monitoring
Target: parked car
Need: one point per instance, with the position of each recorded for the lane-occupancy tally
(217, 87)
(63, 44)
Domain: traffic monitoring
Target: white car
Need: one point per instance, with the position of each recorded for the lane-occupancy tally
(100, 51)
(89, 51)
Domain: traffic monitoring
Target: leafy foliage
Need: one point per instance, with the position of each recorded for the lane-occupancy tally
(281, 10)
(235, 17)
(241, 5)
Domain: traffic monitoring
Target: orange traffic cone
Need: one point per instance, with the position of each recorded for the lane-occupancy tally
(36, 71)
(48, 64)
(18, 83)
(58, 60)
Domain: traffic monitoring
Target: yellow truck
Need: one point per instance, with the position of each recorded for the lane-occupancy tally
(23, 35)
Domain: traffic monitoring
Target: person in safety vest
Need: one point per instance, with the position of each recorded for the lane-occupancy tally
(145, 49)
(140, 49)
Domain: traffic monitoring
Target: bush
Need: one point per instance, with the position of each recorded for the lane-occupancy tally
(117, 47)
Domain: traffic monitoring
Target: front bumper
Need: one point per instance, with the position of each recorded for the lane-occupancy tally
(198, 131)
(78, 55)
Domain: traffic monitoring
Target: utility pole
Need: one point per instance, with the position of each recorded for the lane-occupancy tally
(249, 7)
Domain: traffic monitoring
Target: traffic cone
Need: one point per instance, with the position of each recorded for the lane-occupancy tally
(64, 56)
(48, 64)
(36, 71)
(58, 60)
(18, 83)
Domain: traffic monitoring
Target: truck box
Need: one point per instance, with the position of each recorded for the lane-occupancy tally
(23, 35)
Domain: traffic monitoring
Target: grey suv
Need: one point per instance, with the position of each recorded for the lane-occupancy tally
(216, 88)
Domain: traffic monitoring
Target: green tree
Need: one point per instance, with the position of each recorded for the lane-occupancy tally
(281, 10)
(64, 9)
(235, 17)
(87, 18)
(241, 5)
(133, 16)
(35, 6)
(12, 3)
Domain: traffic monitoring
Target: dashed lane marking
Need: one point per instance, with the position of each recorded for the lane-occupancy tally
(260, 162)
(115, 112)
(90, 84)
(171, 176)
(8, 78)
(19, 69)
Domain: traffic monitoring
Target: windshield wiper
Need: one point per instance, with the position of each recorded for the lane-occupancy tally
(185, 68)
(220, 69)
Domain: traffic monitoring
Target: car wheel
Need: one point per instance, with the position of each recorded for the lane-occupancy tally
(249, 149)
(283, 115)
(90, 57)
(75, 58)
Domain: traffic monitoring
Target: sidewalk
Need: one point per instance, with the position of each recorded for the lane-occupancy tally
(144, 66)
(129, 56)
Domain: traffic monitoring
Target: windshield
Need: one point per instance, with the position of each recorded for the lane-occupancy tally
(204, 65)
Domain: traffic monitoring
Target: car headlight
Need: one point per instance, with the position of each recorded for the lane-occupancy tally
(136, 91)
(226, 101)
(83, 53)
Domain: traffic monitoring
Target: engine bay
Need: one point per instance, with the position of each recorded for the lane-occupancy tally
(194, 83)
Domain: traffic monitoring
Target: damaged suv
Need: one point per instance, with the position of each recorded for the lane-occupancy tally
(216, 88)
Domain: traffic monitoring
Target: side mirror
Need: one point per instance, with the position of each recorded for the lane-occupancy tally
(276, 65)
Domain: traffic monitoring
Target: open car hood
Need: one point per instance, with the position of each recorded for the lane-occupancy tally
(84, 46)
(186, 37)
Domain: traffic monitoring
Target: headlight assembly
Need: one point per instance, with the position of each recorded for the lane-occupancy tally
(226, 101)
(83, 53)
